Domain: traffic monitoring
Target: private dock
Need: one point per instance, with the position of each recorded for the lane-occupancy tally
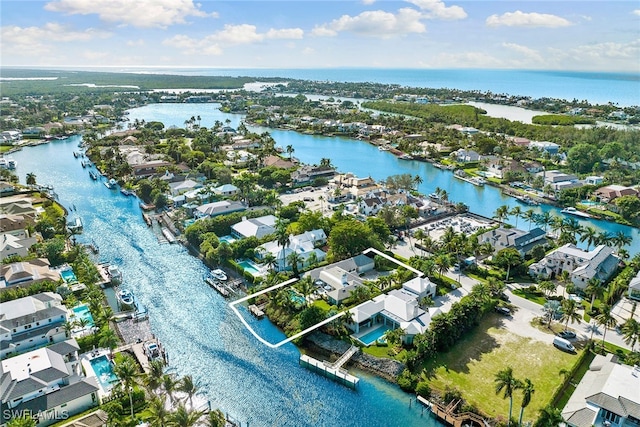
(323, 368)
(256, 311)
(168, 235)
(222, 290)
(448, 416)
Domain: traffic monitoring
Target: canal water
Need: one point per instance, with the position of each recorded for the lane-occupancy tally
(364, 159)
(252, 383)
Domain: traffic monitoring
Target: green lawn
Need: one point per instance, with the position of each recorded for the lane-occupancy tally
(524, 293)
(472, 364)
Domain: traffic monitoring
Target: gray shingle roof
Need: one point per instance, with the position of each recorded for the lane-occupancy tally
(607, 402)
(63, 395)
(582, 418)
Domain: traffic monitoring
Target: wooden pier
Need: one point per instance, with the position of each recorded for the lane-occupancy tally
(222, 290)
(168, 235)
(327, 370)
(256, 311)
(447, 414)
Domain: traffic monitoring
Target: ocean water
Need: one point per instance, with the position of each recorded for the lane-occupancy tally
(622, 89)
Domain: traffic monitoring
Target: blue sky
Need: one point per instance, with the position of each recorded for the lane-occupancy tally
(504, 34)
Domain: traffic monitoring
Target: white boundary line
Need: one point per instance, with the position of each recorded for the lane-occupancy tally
(291, 281)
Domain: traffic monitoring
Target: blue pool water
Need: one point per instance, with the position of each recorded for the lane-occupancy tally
(68, 276)
(229, 239)
(104, 371)
(82, 312)
(371, 337)
(249, 266)
(298, 299)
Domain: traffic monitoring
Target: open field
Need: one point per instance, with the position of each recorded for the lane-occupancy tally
(472, 364)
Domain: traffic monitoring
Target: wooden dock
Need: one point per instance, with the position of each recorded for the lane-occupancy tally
(327, 370)
(448, 416)
(168, 235)
(338, 364)
(256, 311)
(222, 290)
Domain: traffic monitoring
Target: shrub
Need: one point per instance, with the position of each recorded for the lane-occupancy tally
(407, 381)
(423, 389)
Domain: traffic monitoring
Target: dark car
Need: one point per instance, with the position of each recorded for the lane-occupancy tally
(504, 311)
(567, 335)
(503, 297)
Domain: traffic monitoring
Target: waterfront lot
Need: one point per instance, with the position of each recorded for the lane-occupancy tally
(472, 364)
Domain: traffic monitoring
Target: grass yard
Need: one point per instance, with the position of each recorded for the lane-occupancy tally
(472, 364)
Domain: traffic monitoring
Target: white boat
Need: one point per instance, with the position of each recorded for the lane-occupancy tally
(114, 274)
(475, 180)
(125, 297)
(573, 211)
(218, 274)
(527, 200)
(7, 163)
(111, 184)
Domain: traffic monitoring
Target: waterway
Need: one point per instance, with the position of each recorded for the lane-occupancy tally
(254, 384)
(364, 159)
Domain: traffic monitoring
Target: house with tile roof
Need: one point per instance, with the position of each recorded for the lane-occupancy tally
(522, 241)
(254, 227)
(607, 395)
(581, 265)
(27, 272)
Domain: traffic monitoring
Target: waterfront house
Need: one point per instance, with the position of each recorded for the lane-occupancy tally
(466, 156)
(611, 192)
(254, 227)
(544, 146)
(25, 273)
(594, 180)
(6, 189)
(338, 283)
(222, 207)
(607, 395)
(47, 384)
(559, 180)
(307, 173)
(278, 162)
(303, 244)
(356, 187)
(11, 135)
(634, 288)
(182, 187)
(522, 241)
(31, 322)
(145, 170)
(226, 190)
(15, 223)
(399, 308)
(599, 263)
(16, 242)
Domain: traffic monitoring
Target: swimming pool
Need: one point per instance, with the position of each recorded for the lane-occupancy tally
(295, 297)
(228, 238)
(371, 336)
(103, 369)
(82, 312)
(249, 267)
(68, 275)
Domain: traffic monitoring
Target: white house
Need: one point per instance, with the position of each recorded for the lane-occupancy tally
(31, 322)
(16, 242)
(397, 309)
(607, 395)
(256, 227)
(303, 244)
(634, 288)
(26, 272)
(218, 208)
(182, 187)
(522, 241)
(47, 384)
(582, 265)
(466, 156)
(226, 190)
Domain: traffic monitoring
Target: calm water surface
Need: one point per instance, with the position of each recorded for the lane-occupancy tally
(253, 383)
(364, 159)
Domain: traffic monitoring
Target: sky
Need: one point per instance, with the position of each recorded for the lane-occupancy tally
(595, 35)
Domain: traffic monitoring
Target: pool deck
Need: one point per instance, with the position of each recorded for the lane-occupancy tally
(366, 331)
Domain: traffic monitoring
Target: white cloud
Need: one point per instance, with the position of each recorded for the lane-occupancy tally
(368, 2)
(138, 42)
(527, 52)
(636, 12)
(608, 50)
(437, 9)
(522, 19)
(230, 35)
(375, 23)
(308, 51)
(466, 60)
(139, 13)
(37, 39)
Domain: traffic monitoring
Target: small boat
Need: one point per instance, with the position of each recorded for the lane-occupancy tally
(7, 163)
(218, 274)
(84, 164)
(114, 274)
(75, 226)
(406, 157)
(526, 200)
(573, 211)
(111, 184)
(126, 192)
(75, 154)
(93, 175)
(125, 297)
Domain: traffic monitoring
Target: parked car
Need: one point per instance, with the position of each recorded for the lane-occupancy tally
(568, 335)
(504, 311)
(563, 345)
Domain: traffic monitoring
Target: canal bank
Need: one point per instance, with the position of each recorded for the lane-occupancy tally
(204, 338)
(364, 159)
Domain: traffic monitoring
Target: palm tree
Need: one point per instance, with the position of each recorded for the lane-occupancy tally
(604, 238)
(294, 259)
(153, 378)
(169, 385)
(516, 212)
(551, 310)
(588, 234)
(127, 371)
(527, 390)
(507, 383)
(290, 150)
(417, 180)
(108, 338)
(216, 419)
(394, 336)
(595, 287)
(442, 262)
(606, 319)
(31, 178)
(156, 413)
(270, 260)
(182, 417)
(621, 239)
(23, 421)
(549, 417)
(312, 259)
(502, 212)
(570, 312)
(189, 387)
(631, 332)
(544, 219)
(530, 216)
(306, 287)
(282, 237)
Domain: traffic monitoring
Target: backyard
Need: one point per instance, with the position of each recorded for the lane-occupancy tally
(471, 367)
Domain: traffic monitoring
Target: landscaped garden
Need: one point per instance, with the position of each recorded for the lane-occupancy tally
(472, 364)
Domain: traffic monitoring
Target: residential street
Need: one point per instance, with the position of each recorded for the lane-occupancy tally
(524, 310)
